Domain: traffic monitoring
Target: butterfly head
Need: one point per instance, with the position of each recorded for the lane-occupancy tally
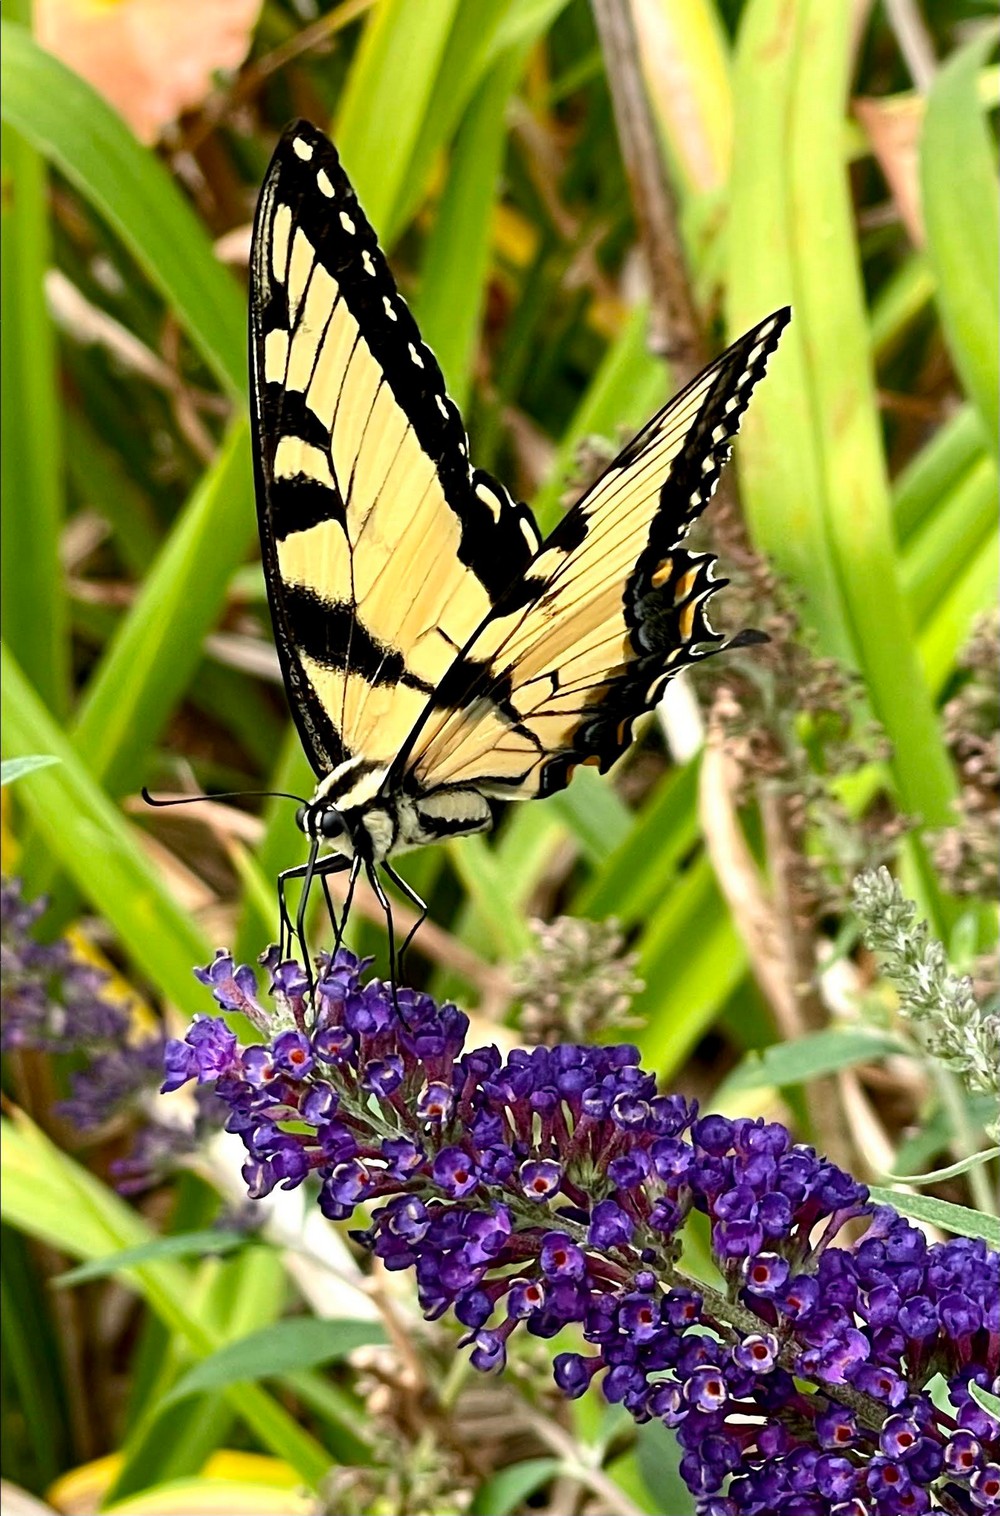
(322, 821)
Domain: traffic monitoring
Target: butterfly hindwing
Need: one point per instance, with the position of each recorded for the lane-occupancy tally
(383, 550)
(607, 611)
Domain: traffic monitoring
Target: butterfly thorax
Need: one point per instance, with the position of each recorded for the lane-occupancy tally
(372, 817)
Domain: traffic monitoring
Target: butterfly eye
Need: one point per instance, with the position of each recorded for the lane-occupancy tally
(300, 818)
(330, 824)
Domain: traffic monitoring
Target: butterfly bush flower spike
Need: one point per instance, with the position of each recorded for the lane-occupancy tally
(550, 1189)
(938, 1003)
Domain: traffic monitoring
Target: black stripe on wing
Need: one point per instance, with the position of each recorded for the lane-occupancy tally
(306, 189)
(579, 648)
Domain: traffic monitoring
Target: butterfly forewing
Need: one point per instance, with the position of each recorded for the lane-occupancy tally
(608, 610)
(383, 550)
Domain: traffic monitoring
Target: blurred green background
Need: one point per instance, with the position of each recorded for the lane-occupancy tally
(834, 156)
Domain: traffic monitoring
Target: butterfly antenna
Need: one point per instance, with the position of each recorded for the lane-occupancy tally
(222, 795)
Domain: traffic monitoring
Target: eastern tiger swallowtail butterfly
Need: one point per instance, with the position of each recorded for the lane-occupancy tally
(437, 655)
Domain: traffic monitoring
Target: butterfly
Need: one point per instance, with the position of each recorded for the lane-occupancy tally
(438, 656)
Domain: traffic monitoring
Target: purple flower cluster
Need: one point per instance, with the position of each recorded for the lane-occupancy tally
(52, 998)
(550, 1190)
(56, 1002)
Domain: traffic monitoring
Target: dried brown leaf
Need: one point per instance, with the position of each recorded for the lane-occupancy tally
(151, 59)
(893, 128)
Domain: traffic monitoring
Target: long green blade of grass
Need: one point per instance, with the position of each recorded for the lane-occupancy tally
(691, 959)
(954, 449)
(235, 1297)
(96, 847)
(950, 539)
(387, 97)
(32, 597)
(948, 630)
(151, 659)
(638, 874)
(853, 536)
(69, 122)
(779, 454)
(457, 258)
(48, 1196)
(846, 417)
(472, 49)
(958, 178)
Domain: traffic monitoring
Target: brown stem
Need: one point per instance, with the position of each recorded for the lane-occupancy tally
(675, 331)
(797, 947)
(741, 884)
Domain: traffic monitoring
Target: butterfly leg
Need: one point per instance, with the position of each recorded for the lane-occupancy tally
(313, 869)
(415, 900)
(285, 929)
(331, 910)
(346, 911)
(383, 901)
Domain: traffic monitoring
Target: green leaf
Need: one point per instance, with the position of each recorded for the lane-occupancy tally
(179, 1245)
(690, 959)
(685, 56)
(946, 633)
(900, 301)
(474, 45)
(33, 610)
(810, 1057)
(958, 179)
(956, 446)
(658, 1456)
(74, 127)
(951, 1172)
(457, 256)
(941, 1213)
(508, 1490)
(98, 849)
(594, 813)
(236, 1295)
(478, 869)
(812, 458)
(938, 1133)
(628, 387)
(14, 768)
(157, 647)
(300, 1343)
(48, 1196)
(636, 875)
(388, 94)
(949, 538)
(779, 452)
(33, 1372)
(218, 1496)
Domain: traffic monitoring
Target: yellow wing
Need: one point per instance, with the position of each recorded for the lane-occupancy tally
(383, 549)
(610, 608)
